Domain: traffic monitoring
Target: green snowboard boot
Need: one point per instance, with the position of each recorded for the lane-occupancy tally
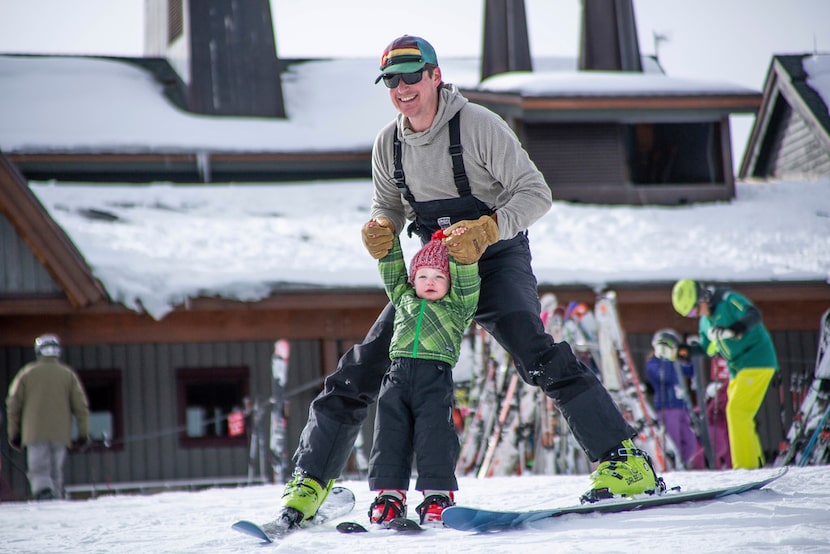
(625, 471)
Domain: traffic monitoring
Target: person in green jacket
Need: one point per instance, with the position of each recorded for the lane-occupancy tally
(730, 325)
(43, 397)
(434, 304)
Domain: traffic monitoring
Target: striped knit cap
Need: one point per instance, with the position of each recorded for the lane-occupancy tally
(434, 255)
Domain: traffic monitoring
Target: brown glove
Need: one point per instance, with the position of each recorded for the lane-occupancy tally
(469, 246)
(80, 445)
(378, 236)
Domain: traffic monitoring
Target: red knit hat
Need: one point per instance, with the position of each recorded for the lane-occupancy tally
(434, 255)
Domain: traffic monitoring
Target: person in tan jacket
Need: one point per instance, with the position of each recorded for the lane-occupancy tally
(42, 399)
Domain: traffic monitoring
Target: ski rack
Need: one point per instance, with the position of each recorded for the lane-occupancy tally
(512, 427)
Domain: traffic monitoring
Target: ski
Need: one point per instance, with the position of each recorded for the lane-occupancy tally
(557, 450)
(473, 519)
(480, 432)
(338, 503)
(630, 398)
(506, 407)
(701, 417)
(804, 422)
(809, 422)
(820, 429)
(399, 524)
(480, 401)
(279, 423)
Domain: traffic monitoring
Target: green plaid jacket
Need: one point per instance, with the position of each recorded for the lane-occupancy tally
(429, 330)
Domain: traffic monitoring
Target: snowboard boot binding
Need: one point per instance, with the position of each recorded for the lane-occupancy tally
(624, 472)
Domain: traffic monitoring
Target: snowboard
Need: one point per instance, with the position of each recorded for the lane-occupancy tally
(339, 502)
(472, 519)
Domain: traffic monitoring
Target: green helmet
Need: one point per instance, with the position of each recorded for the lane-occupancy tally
(684, 297)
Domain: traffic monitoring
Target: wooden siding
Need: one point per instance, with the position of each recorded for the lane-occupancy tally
(791, 134)
(20, 271)
(216, 167)
(560, 152)
(47, 241)
(797, 151)
(150, 449)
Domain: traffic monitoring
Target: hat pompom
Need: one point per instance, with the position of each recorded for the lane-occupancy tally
(434, 255)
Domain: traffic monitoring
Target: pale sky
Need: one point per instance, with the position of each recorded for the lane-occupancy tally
(709, 39)
(717, 40)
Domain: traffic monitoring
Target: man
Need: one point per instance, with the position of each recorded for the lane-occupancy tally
(43, 397)
(446, 163)
(730, 325)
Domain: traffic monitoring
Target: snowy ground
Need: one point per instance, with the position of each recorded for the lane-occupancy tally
(790, 515)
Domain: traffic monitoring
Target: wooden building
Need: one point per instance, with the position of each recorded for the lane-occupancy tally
(613, 134)
(791, 134)
(161, 390)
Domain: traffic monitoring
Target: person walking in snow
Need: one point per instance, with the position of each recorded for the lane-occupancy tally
(667, 374)
(434, 305)
(444, 163)
(43, 397)
(730, 325)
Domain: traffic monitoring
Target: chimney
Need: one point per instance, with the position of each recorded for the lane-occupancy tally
(506, 45)
(609, 36)
(233, 59)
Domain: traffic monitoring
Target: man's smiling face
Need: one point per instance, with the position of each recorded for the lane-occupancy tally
(418, 102)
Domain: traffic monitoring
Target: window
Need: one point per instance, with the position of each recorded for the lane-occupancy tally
(205, 397)
(674, 153)
(103, 392)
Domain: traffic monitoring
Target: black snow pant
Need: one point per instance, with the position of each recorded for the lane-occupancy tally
(415, 417)
(509, 310)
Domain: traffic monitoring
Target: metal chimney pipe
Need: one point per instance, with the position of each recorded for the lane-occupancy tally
(506, 44)
(608, 39)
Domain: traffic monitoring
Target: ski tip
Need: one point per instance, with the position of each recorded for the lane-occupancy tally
(405, 525)
(251, 529)
(351, 527)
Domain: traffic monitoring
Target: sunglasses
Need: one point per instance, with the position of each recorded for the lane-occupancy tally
(392, 80)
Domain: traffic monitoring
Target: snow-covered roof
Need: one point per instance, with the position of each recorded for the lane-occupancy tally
(817, 68)
(75, 104)
(605, 83)
(165, 244)
(159, 245)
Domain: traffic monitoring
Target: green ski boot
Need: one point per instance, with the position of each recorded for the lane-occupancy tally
(302, 497)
